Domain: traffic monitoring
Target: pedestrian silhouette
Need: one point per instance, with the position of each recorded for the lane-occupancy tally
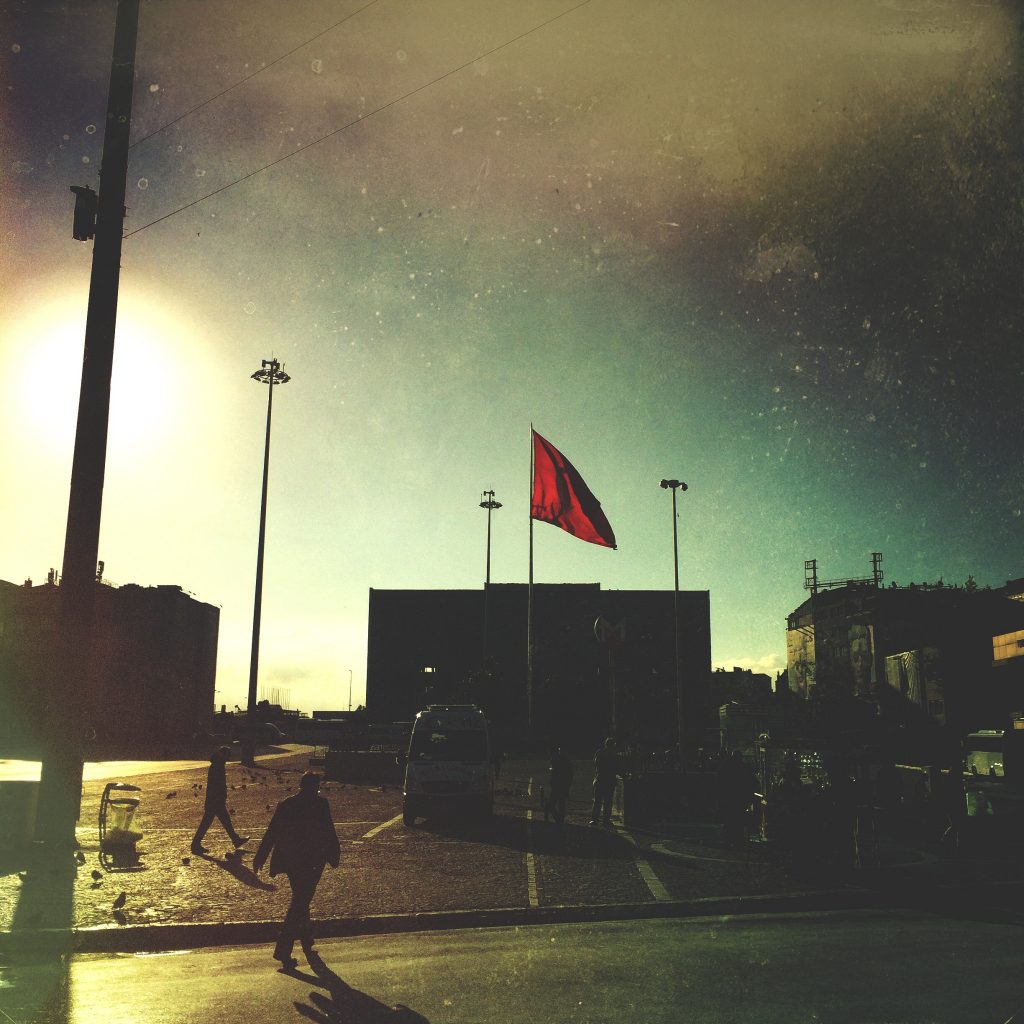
(299, 841)
(559, 784)
(215, 803)
(737, 786)
(790, 818)
(606, 778)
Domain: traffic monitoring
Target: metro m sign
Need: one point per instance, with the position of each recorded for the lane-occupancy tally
(609, 635)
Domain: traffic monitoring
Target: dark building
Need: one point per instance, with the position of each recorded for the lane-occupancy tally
(427, 646)
(923, 653)
(1008, 656)
(154, 668)
(747, 707)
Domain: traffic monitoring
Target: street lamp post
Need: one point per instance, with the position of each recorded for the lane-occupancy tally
(350, 689)
(675, 485)
(271, 373)
(491, 505)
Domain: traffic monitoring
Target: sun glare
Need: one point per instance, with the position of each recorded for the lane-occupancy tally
(47, 348)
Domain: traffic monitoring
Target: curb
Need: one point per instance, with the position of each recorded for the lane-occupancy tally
(167, 937)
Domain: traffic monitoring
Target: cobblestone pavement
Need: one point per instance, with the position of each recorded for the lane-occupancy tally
(386, 868)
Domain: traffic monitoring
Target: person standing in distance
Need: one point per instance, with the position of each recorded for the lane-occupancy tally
(300, 840)
(606, 778)
(216, 803)
(560, 783)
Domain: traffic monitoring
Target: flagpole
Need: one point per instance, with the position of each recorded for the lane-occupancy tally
(529, 604)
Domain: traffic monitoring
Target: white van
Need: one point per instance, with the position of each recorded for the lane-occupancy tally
(449, 766)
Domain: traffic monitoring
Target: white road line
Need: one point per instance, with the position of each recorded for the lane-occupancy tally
(651, 880)
(663, 849)
(531, 867)
(380, 828)
(658, 891)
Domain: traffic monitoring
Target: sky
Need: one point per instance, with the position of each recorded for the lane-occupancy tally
(774, 251)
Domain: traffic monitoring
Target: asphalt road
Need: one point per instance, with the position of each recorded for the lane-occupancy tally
(836, 968)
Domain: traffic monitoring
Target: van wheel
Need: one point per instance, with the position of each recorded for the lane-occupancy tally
(408, 818)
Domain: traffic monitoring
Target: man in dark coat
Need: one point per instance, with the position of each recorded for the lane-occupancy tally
(299, 841)
(606, 778)
(216, 803)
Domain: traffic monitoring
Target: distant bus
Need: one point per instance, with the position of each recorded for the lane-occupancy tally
(449, 766)
(993, 773)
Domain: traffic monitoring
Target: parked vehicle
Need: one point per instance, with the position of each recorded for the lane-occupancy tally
(266, 733)
(449, 766)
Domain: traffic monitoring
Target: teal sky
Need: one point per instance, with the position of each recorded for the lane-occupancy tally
(770, 251)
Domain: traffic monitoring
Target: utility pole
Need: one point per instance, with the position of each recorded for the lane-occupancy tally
(60, 789)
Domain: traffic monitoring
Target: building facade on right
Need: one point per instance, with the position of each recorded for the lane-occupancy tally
(921, 652)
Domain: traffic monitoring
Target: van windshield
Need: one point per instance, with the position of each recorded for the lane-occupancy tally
(448, 745)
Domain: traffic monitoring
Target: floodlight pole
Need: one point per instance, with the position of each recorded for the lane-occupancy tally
(272, 374)
(675, 485)
(491, 505)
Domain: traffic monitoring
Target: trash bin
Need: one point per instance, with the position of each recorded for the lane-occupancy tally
(18, 800)
(118, 806)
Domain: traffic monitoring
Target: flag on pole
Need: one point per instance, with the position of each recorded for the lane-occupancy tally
(561, 496)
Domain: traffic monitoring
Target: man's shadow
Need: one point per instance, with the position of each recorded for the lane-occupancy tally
(235, 867)
(344, 1004)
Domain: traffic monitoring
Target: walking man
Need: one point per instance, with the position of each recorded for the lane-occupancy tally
(606, 778)
(216, 803)
(299, 841)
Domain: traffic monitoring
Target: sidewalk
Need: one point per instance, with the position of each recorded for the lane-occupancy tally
(908, 874)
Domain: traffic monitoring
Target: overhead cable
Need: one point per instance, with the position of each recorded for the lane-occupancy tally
(259, 70)
(360, 119)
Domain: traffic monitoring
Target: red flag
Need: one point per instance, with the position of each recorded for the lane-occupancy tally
(560, 496)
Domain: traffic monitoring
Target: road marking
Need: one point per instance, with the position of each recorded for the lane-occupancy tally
(380, 828)
(531, 867)
(651, 880)
(665, 851)
(657, 890)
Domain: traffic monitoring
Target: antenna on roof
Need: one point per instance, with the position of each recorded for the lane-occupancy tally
(876, 568)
